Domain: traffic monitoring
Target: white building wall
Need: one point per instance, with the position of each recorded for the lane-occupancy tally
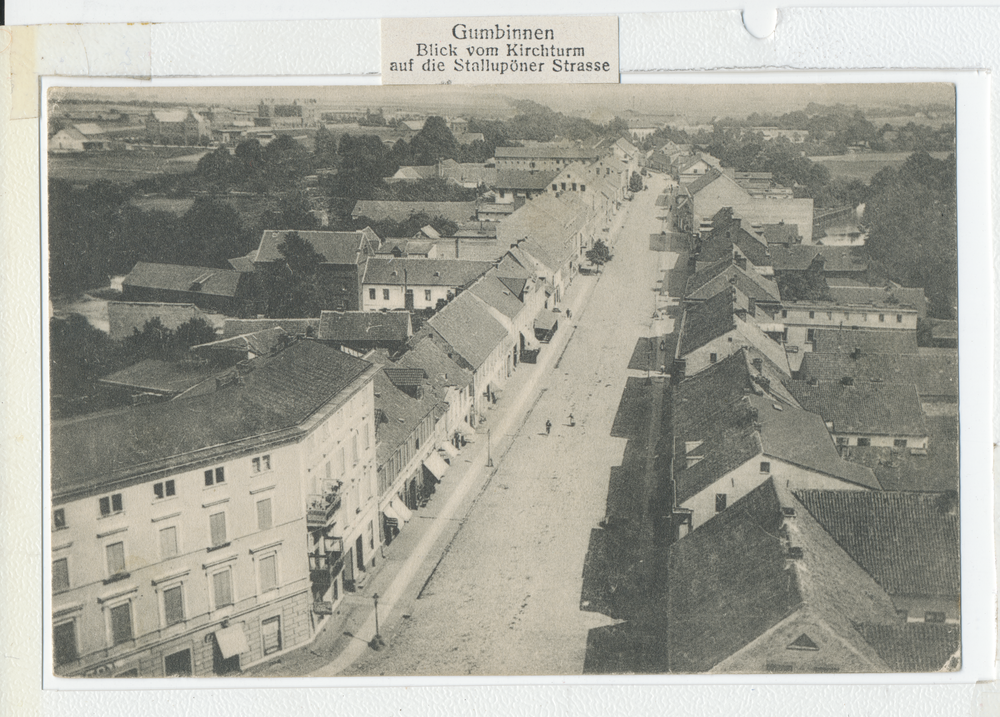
(397, 296)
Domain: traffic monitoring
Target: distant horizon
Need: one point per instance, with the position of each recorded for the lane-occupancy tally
(598, 103)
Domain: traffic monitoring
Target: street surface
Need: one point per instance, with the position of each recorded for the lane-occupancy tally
(505, 598)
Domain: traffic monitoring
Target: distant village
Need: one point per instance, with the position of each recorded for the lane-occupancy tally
(217, 515)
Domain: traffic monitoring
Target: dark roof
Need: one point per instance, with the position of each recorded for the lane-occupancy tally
(400, 211)
(717, 316)
(933, 375)
(729, 231)
(174, 277)
(495, 293)
(125, 317)
(336, 247)
(401, 415)
(724, 273)
(243, 263)
(870, 341)
(915, 646)
(889, 298)
(801, 256)
(933, 470)
(364, 326)
(943, 329)
(737, 412)
(908, 542)
(275, 394)
(442, 372)
(523, 179)
(293, 327)
(405, 376)
(467, 325)
(259, 343)
(546, 151)
(781, 233)
(514, 286)
(424, 272)
(886, 409)
(702, 181)
(165, 377)
(732, 579)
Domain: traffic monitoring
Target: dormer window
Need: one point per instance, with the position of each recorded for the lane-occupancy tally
(803, 642)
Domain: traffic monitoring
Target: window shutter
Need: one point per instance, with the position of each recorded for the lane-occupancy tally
(268, 573)
(173, 605)
(264, 514)
(121, 623)
(217, 523)
(223, 589)
(60, 575)
(116, 558)
(168, 543)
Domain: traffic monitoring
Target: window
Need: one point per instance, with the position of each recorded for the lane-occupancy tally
(564, 186)
(343, 461)
(59, 518)
(64, 643)
(712, 358)
(427, 294)
(812, 314)
(881, 318)
(163, 490)
(168, 542)
(111, 504)
(173, 605)
(899, 443)
(899, 318)
(115, 554)
(555, 187)
(217, 525)
(177, 664)
(268, 567)
(864, 442)
(367, 435)
(222, 588)
(214, 477)
(371, 294)
(864, 317)
(385, 294)
(934, 617)
(264, 513)
(720, 502)
(121, 623)
(60, 575)
(784, 313)
(829, 314)
(810, 335)
(261, 464)
(847, 314)
(583, 187)
(778, 667)
(841, 440)
(270, 631)
(765, 466)
(354, 449)
(574, 186)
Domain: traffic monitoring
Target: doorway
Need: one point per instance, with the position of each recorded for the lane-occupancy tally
(178, 664)
(359, 549)
(408, 299)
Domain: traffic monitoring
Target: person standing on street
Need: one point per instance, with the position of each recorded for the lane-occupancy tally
(548, 427)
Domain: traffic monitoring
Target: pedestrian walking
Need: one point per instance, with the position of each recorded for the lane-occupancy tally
(571, 421)
(548, 427)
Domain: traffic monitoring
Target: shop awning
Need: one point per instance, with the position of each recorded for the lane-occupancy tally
(232, 641)
(465, 429)
(391, 513)
(450, 450)
(402, 511)
(546, 320)
(436, 465)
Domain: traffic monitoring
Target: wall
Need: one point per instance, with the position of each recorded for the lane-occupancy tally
(397, 296)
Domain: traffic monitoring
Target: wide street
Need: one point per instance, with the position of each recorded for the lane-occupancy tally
(505, 598)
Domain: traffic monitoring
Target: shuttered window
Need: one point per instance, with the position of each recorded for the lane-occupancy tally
(121, 623)
(116, 558)
(217, 523)
(173, 605)
(222, 586)
(264, 514)
(270, 631)
(268, 573)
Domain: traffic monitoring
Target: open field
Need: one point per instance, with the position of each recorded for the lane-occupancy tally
(124, 165)
(865, 165)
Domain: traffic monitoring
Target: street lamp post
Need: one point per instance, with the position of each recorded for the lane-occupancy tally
(489, 449)
(376, 642)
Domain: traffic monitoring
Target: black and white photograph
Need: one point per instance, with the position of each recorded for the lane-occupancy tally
(375, 381)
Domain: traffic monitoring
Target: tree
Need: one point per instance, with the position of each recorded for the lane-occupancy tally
(325, 148)
(635, 182)
(296, 292)
(599, 254)
(193, 332)
(434, 142)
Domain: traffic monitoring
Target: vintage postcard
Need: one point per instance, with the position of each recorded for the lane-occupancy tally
(502, 381)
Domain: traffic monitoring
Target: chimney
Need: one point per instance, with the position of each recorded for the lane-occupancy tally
(758, 364)
(794, 552)
(813, 381)
(752, 306)
(741, 262)
(847, 381)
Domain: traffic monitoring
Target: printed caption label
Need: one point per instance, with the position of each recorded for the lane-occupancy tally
(499, 50)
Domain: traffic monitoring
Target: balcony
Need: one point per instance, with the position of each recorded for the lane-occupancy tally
(320, 509)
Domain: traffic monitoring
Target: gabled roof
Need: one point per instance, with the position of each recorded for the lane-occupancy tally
(907, 542)
(932, 375)
(887, 297)
(336, 247)
(885, 409)
(401, 211)
(523, 179)
(468, 326)
(89, 128)
(914, 646)
(548, 225)
(163, 377)
(243, 263)
(172, 115)
(729, 231)
(442, 372)
(174, 277)
(259, 343)
(364, 326)
(733, 579)
(781, 233)
(401, 415)
(267, 396)
(416, 172)
(800, 257)
(545, 151)
(424, 272)
(496, 294)
(701, 157)
(724, 273)
(869, 341)
(717, 316)
(293, 327)
(126, 317)
(72, 133)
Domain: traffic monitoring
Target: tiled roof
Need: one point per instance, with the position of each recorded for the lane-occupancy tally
(914, 646)
(885, 409)
(711, 280)
(400, 211)
(405, 376)
(908, 542)
(259, 343)
(496, 294)
(243, 263)
(276, 394)
(869, 341)
(733, 413)
(365, 326)
(442, 372)
(166, 377)
(717, 316)
(732, 580)
(514, 286)
(548, 225)
(293, 327)
(877, 296)
(73, 133)
(126, 317)
(781, 233)
(933, 375)
(402, 414)
(467, 325)
(170, 115)
(729, 231)
(336, 247)
(545, 151)
(800, 257)
(943, 329)
(174, 277)
(523, 179)
(702, 181)
(424, 272)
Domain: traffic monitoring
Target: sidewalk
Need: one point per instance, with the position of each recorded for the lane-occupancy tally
(403, 568)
